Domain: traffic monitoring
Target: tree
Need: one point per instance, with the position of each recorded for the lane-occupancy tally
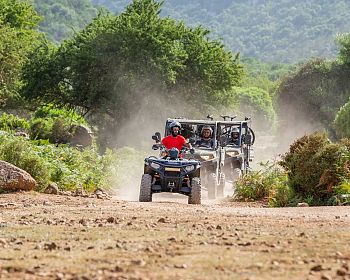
(343, 42)
(120, 65)
(341, 122)
(17, 38)
(256, 103)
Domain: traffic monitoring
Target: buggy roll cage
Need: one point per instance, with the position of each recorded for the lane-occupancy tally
(221, 130)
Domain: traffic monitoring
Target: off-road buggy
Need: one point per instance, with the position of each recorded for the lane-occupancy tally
(170, 173)
(235, 156)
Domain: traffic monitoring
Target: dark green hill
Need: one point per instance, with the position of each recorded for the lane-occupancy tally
(272, 31)
(61, 17)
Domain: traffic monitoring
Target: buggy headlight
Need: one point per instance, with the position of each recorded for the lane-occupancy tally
(189, 168)
(233, 153)
(155, 165)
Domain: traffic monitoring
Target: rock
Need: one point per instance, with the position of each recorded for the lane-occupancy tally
(81, 136)
(219, 227)
(325, 277)
(138, 262)
(52, 188)
(101, 194)
(13, 178)
(317, 268)
(341, 272)
(50, 246)
(22, 134)
(111, 220)
(3, 242)
(161, 220)
(303, 204)
(182, 266)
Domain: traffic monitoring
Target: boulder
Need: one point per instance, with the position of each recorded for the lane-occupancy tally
(52, 188)
(13, 178)
(81, 136)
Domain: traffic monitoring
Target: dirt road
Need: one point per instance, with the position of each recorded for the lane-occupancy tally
(63, 237)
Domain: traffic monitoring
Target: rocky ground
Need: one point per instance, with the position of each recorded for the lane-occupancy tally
(63, 237)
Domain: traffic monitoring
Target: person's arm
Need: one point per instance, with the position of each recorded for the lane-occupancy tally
(188, 145)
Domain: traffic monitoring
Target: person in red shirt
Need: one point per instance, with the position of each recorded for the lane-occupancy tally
(175, 140)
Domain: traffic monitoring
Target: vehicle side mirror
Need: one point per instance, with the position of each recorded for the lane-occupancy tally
(248, 139)
(156, 137)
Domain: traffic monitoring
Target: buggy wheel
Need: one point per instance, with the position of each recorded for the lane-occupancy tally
(195, 196)
(211, 186)
(221, 185)
(145, 188)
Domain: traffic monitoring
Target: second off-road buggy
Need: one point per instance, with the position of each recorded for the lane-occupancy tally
(235, 154)
(170, 173)
(207, 155)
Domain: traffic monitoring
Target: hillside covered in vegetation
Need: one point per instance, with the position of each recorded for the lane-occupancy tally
(273, 31)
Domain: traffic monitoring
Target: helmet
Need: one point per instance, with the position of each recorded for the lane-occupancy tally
(235, 129)
(174, 124)
(207, 127)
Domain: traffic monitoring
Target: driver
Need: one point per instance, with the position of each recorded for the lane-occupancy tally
(206, 141)
(175, 140)
(235, 136)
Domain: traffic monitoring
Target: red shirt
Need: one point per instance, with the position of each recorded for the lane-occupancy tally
(173, 142)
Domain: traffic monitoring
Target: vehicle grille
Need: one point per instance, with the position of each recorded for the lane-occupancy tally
(172, 173)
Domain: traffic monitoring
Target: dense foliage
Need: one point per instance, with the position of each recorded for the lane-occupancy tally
(275, 31)
(269, 183)
(17, 37)
(342, 121)
(53, 124)
(62, 17)
(120, 64)
(316, 168)
(310, 98)
(68, 167)
(257, 104)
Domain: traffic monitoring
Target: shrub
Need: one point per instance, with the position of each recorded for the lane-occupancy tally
(19, 152)
(67, 166)
(9, 122)
(316, 167)
(341, 122)
(54, 124)
(267, 183)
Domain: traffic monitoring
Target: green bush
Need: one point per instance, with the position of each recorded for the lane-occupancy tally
(9, 122)
(316, 167)
(269, 183)
(20, 152)
(67, 166)
(54, 124)
(341, 122)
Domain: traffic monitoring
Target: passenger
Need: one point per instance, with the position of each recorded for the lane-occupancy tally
(235, 136)
(206, 140)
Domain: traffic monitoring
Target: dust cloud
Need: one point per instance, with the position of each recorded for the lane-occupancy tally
(134, 142)
(134, 136)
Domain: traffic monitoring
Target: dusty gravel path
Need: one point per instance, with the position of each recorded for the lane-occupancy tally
(60, 237)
